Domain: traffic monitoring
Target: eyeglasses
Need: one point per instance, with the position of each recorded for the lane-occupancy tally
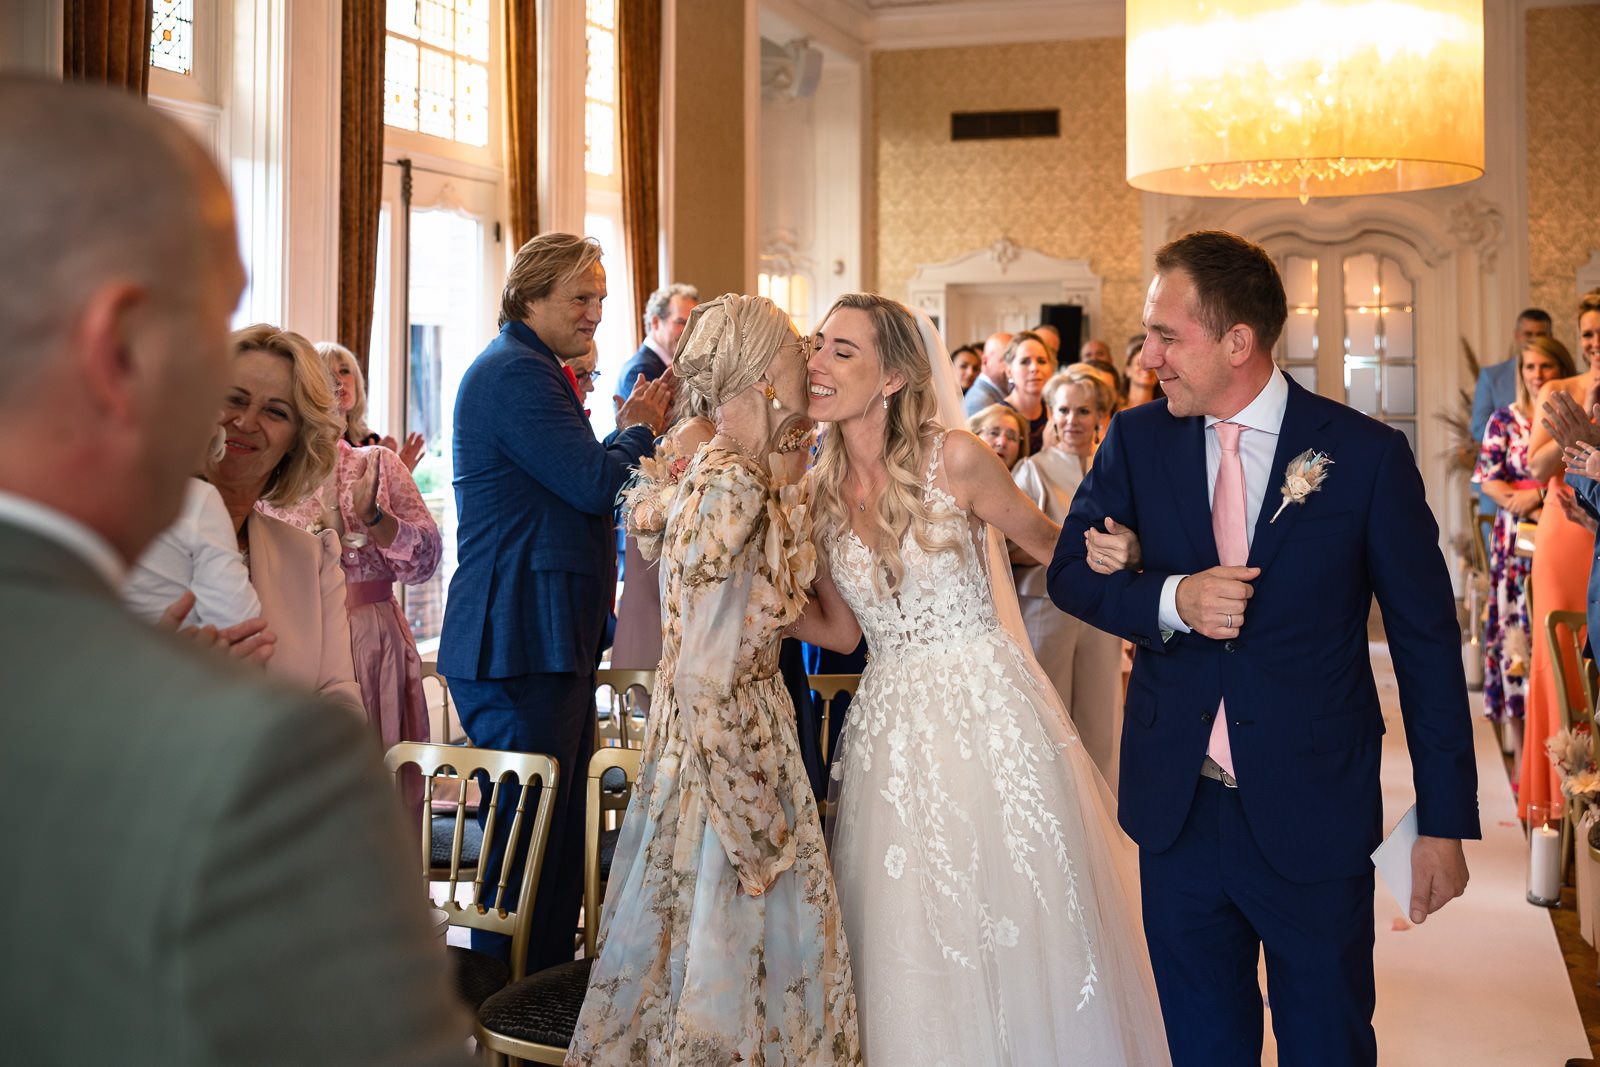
(591, 375)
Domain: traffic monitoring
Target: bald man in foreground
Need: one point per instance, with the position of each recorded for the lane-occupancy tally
(229, 876)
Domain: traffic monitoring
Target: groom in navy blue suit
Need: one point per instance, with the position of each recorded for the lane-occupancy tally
(528, 601)
(1251, 743)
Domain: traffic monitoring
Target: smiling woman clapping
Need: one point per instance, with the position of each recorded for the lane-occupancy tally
(280, 432)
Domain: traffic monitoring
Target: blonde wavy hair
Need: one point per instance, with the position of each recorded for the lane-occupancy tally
(317, 426)
(901, 505)
(334, 355)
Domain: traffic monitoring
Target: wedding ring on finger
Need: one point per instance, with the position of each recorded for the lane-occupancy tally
(1230, 621)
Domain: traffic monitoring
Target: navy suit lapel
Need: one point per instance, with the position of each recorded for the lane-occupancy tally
(1302, 429)
(1182, 455)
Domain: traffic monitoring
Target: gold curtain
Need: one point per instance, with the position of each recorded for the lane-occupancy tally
(108, 41)
(639, 122)
(522, 118)
(360, 169)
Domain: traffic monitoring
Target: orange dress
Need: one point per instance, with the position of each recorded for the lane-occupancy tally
(1560, 583)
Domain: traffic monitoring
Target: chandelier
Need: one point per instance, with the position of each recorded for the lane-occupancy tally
(1263, 98)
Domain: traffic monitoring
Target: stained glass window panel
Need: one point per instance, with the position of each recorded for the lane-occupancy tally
(400, 84)
(436, 21)
(603, 13)
(602, 80)
(172, 35)
(599, 156)
(472, 103)
(437, 81)
(472, 29)
(435, 87)
(401, 17)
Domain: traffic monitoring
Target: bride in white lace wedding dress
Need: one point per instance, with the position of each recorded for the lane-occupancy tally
(989, 899)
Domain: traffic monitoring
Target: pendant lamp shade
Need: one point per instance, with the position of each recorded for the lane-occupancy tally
(1267, 98)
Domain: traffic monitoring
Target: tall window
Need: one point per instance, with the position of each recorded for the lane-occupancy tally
(436, 70)
(603, 205)
(600, 95)
(172, 35)
(441, 256)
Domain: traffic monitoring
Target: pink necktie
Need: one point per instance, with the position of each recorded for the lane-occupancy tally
(1233, 550)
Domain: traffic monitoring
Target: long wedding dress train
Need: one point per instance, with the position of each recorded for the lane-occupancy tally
(989, 899)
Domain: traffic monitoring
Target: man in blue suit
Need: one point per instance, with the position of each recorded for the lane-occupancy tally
(1251, 743)
(1497, 383)
(533, 583)
(666, 313)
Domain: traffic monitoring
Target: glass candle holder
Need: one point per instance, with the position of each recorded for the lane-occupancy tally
(1544, 855)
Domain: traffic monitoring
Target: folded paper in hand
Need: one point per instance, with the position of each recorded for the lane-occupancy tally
(1393, 859)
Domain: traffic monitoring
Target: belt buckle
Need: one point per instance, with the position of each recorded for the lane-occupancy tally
(1212, 769)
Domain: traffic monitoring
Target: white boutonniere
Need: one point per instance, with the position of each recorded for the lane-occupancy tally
(1301, 478)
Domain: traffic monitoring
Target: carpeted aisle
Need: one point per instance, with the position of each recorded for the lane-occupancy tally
(1482, 981)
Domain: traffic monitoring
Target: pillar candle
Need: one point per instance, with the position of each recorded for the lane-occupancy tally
(1544, 872)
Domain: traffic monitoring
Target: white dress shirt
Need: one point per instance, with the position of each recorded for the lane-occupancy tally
(198, 553)
(1262, 418)
(65, 531)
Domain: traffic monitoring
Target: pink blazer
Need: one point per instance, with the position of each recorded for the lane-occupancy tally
(301, 585)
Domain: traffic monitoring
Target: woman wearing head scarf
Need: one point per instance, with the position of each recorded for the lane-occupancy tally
(720, 936)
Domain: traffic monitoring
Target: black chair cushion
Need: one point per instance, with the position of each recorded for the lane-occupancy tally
(478, 975)
(613, 780)
(444, 834)
(542, 1008)
(608, 852)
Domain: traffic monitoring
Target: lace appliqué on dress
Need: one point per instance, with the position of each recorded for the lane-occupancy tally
(943, 692)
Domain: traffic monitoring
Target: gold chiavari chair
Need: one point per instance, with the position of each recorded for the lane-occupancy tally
(533, 1019)
(505, 907)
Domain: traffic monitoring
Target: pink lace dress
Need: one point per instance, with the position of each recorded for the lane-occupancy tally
(387, 666)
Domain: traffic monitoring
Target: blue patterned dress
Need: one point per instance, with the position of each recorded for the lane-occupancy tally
(1504, 458)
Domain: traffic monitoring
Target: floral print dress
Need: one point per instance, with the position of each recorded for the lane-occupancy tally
(721, 940)
(1504, 458)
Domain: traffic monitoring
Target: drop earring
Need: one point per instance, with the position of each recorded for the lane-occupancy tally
(772, 395)
(886, 401)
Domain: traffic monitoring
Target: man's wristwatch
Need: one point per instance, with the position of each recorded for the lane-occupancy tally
(379, 518)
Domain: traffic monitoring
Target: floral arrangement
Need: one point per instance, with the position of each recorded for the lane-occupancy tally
(1303, 476)
(1572, 752)
(648, 495)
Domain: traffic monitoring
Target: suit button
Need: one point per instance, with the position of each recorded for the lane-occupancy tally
(1229, 646)
(1205, 717)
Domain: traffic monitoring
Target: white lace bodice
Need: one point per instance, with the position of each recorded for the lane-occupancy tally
(944, 600)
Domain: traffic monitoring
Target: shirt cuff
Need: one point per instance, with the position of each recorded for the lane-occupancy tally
(1168, 617)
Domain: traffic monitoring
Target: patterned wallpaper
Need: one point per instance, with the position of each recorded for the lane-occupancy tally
(1064, 197)
(1563, 156)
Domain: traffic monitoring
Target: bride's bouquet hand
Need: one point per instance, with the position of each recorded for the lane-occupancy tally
(1114, 549)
